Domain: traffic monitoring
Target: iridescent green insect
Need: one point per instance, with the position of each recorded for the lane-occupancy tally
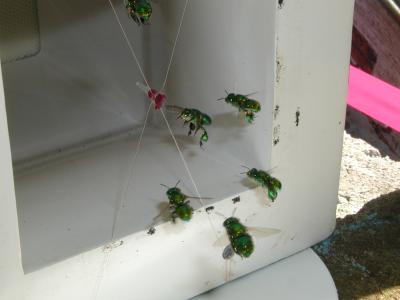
(249, 106)
(196, 120)
(272, 184)
(240, 240)
(179, 206)
(139, 10)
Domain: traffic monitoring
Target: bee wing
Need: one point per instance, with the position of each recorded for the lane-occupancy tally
(262, 232)
(222, 241)
(198, 198)
(228, 252)
(251, 94)
(174, 108)
(164, 214)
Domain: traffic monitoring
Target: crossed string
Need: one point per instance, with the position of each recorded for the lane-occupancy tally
(131, 167)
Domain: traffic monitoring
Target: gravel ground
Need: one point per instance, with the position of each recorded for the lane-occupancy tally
(365, 175)
(363, 253)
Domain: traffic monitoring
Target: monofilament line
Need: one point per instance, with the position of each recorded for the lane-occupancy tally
(188, 171)
(175, 43)
(130, 174)
(131, 167)
(119, 205)
(129, 43)
(130, 171)
(168, 125)
(123, 193)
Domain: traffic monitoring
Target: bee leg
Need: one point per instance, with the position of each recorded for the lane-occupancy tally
(192, 127)
(138, 21)
(174, 216)
(129, 12)
(198, 127)
(240, 113)
(135, 18)
(204, 136)
(249, 117)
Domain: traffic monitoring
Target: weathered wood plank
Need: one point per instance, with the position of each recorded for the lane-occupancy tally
(382, 31)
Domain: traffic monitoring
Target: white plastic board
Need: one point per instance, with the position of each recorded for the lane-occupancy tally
(75, 114)
(302, 276)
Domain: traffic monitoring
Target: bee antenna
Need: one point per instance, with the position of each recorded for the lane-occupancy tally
(245, 171)
(234, 211)
(273, 168)
(220, 99)
(226, 92)
(251, 94)
(177, 183)
(221, 215)
(164, 185)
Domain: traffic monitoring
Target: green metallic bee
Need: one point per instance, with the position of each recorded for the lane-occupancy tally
(249, 106)
(179, 206)
(272, 184)
(240, 240)
(196, 120)
(139, 10)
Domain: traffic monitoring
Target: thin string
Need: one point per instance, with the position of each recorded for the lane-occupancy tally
(164, 83)
(130, 174)
(169, 127)
(175, 43)
(129, 43)
(120, 202)
(188, 171)
(100, 275)
(106, 257)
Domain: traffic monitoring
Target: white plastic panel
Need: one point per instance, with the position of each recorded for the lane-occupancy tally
(72, 159)
(75, 122)
(81, 86)
(68, 207)
(10, 252)
(302, 276)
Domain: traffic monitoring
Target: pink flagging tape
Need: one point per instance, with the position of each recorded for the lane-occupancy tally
(375, 98)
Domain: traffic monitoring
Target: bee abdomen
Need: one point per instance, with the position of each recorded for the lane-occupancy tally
(243, 245)
(184, 212)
